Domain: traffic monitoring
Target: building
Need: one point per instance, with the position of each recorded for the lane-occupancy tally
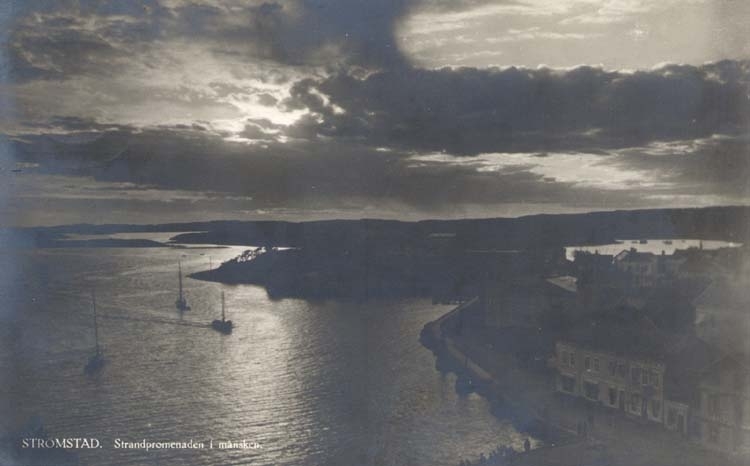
(646, 270)
(651, 376)
(529, 301)
(722, 315)
(615, 366)
(686, 360)
(640, 267)
(701, 264)
(724, 414)
(589, 266)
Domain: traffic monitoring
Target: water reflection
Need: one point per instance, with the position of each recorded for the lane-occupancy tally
(313, 383)
(654, 246)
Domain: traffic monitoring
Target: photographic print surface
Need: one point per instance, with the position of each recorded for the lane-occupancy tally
(384, 232)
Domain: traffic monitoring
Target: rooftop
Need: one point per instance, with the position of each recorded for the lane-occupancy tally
(566, 282)
(632, 255)
(640, 339)
(726, 293)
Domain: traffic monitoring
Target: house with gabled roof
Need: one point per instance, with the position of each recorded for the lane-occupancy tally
(724, 414)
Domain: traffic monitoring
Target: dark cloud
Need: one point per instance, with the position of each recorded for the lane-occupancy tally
(255, 132)
(267, 100)
(327, 174)
(63, 39)
(366, 121)
(716, 166)
(67, 38)
(324, 173)
(469, 111)
(359, 32)
(59, 54)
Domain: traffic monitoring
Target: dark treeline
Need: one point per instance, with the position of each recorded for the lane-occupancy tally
(725, 223)
(446, 259)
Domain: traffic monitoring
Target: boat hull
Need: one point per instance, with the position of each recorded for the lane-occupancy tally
(95, 364)
(223, 326)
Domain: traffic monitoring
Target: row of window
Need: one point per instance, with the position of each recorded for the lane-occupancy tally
(644, 377)
(591, 364)
(615, 369)
(635, 403)
(568, 358)
(638, 268)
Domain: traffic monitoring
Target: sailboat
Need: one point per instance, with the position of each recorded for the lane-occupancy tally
(96, 361)
(181, 302)
(224, 326)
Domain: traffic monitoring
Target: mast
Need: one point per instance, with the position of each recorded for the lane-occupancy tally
(222, 306)
(96, 327)
(179, 274)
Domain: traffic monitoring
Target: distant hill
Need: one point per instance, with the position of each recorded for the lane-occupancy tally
(445, 259)
(720, 223)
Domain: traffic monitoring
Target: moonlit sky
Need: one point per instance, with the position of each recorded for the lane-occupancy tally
(117, 111)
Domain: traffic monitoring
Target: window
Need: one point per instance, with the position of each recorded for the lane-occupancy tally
(622, 370)
(644, 377)
(655, 408)
(612, 367)
(612, 396)
(568, 384)
(587, 363)
(635, 403)
(635, 375)
(572, 359)
(596, 364)
(653, 379)
(671, 417)
(713, 405)
(713, 433)
(591, 390)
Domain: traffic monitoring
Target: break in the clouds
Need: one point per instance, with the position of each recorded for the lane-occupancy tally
(397, 108)
(615, 34)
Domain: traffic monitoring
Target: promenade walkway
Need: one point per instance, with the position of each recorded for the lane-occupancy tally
(622, 441)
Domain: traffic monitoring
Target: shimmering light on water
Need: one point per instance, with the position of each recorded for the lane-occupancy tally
(319, 383)
(654, 246)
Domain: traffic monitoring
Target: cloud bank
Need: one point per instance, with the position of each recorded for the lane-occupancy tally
(332, 107)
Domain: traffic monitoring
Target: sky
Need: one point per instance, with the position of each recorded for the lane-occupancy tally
(119, 111)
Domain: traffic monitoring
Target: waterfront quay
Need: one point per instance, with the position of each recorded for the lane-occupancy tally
(576, 432)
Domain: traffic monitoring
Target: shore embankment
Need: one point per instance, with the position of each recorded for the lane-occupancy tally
(573, 425)
(502, 392)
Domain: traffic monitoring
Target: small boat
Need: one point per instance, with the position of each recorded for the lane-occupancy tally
(224, 326)
(96, 361)
(181, 302)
